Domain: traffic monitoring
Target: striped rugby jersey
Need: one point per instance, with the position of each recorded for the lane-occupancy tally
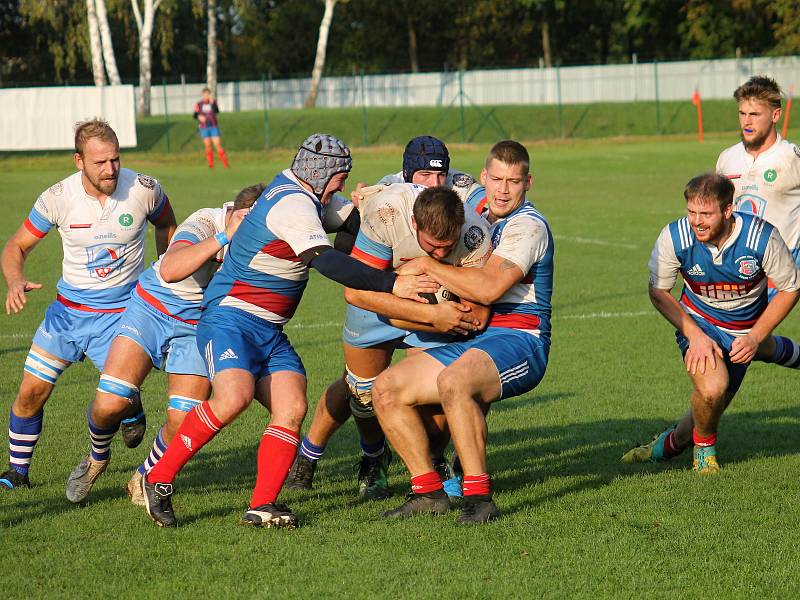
(524, 238)
(470, 190)
(103, 245)
(727, 286)
(262, 273)
(183, 299)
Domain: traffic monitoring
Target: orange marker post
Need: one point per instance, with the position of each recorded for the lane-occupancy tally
(699, 104)
(788, 112)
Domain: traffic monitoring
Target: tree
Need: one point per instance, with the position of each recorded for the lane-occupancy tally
(211, 39)
(144, 24)
(319, 61)
(109, 59)
(94, 44)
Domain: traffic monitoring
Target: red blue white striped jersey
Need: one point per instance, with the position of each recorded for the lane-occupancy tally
(727, 286)
(103, 245)
(262, 273)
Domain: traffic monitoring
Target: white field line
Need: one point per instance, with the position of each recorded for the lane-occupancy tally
(595, 242)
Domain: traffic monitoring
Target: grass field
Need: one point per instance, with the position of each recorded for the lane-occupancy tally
(575, 522)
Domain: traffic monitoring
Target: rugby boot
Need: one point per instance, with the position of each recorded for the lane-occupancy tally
(450, 480)
(82, 478)
(477, 510)
(301, 476)
(270, 515)
(158, 502)
(12, 479)
(134, 488)
(705, 460)
(436, 503)
(373, 476)
(650, 452)
(134, 427)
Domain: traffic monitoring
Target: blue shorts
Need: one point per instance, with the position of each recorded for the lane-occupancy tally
(229, 338)
(170, 343)
(209, 132)
(365, 329)
(520, 358)
(724, 340)
(71, 334)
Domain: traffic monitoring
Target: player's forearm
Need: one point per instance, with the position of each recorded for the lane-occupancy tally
(777, 310)
(163, 235)
(412, 325)
(673, 312)
(389, 305)
(474, 284)
(13, 261)
(182, 260)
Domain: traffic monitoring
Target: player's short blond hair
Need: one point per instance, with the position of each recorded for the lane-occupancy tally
(93, 128)
(247, 196)
(711, 187)
(510, 153)
(439, 212)
(760, 87)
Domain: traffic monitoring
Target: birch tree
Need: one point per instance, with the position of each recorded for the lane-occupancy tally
(109, 59)
(144, 24)
(322, 46)
(211, 39)
(94, 44)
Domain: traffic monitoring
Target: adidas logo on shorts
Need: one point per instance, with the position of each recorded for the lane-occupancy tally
(229, 353)
(696, 271)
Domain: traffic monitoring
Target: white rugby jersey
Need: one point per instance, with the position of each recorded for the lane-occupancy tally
(103, 245)
(767, 186)
(471, 192)
(387, 238)
(182, 299)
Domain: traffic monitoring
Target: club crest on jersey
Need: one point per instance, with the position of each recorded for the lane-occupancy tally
(748, 267)
(474, 237)
(102, 260)
(146, 181)
(126, 219)
(750, 204)
(770, 175)
(57, 189)
(462, 180)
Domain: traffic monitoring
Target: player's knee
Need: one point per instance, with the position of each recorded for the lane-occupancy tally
(385, 392)
(711, 394)
(290, 412)
(42, 374)
(361, 395)
(449, 383)
(117, 387)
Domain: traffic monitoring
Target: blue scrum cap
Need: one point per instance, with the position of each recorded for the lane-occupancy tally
(425, 152)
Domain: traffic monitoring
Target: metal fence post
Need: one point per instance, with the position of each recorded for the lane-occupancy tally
(364, 118)
(266, 111)
(658, 99)
(461, 103)
(166, 110)
(560, 108)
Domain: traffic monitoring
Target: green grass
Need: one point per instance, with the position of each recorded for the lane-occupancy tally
(575, 522)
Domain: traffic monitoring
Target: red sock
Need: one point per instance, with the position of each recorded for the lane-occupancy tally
(276, 454)
(703, 441)
(426, 483)
(477, 485)
(197, 429)
(224, 158)
(210, 158)
(671, 447)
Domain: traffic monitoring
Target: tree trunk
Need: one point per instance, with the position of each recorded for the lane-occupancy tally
(108, 48)
(412, 44)
(94, 44)
(319, 61)
(211, 64)
(145, 27)
(548, 56)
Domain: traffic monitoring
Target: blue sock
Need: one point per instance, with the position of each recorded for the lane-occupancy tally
(373, 450)
(311, 451)
(101, 438)
(787, 353)
(156, 452)
(23, 433)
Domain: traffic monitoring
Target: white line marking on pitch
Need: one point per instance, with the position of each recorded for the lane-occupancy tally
(594, 242)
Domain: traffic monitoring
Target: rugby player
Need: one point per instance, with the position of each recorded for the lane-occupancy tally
(158, 329)
(101, 213)
(240, 333)
(509, 358)
(426, 162)
(723, 319)
(206, 111)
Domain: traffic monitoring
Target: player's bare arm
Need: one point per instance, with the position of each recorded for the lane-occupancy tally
(744, 348)
(703, 351)
(483, 285)
(15, 252)
(165, 227)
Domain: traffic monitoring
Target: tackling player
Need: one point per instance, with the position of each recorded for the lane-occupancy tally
(101, 213)
(240, 333)
(723, 319)
(158, 329)
(509, 358)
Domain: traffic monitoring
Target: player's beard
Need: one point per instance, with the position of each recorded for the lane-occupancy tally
(105, 185)
(756, 142)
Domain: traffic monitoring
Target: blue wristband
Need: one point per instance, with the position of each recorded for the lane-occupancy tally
(222, 239)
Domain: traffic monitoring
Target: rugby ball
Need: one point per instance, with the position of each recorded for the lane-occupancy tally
(440, 296)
